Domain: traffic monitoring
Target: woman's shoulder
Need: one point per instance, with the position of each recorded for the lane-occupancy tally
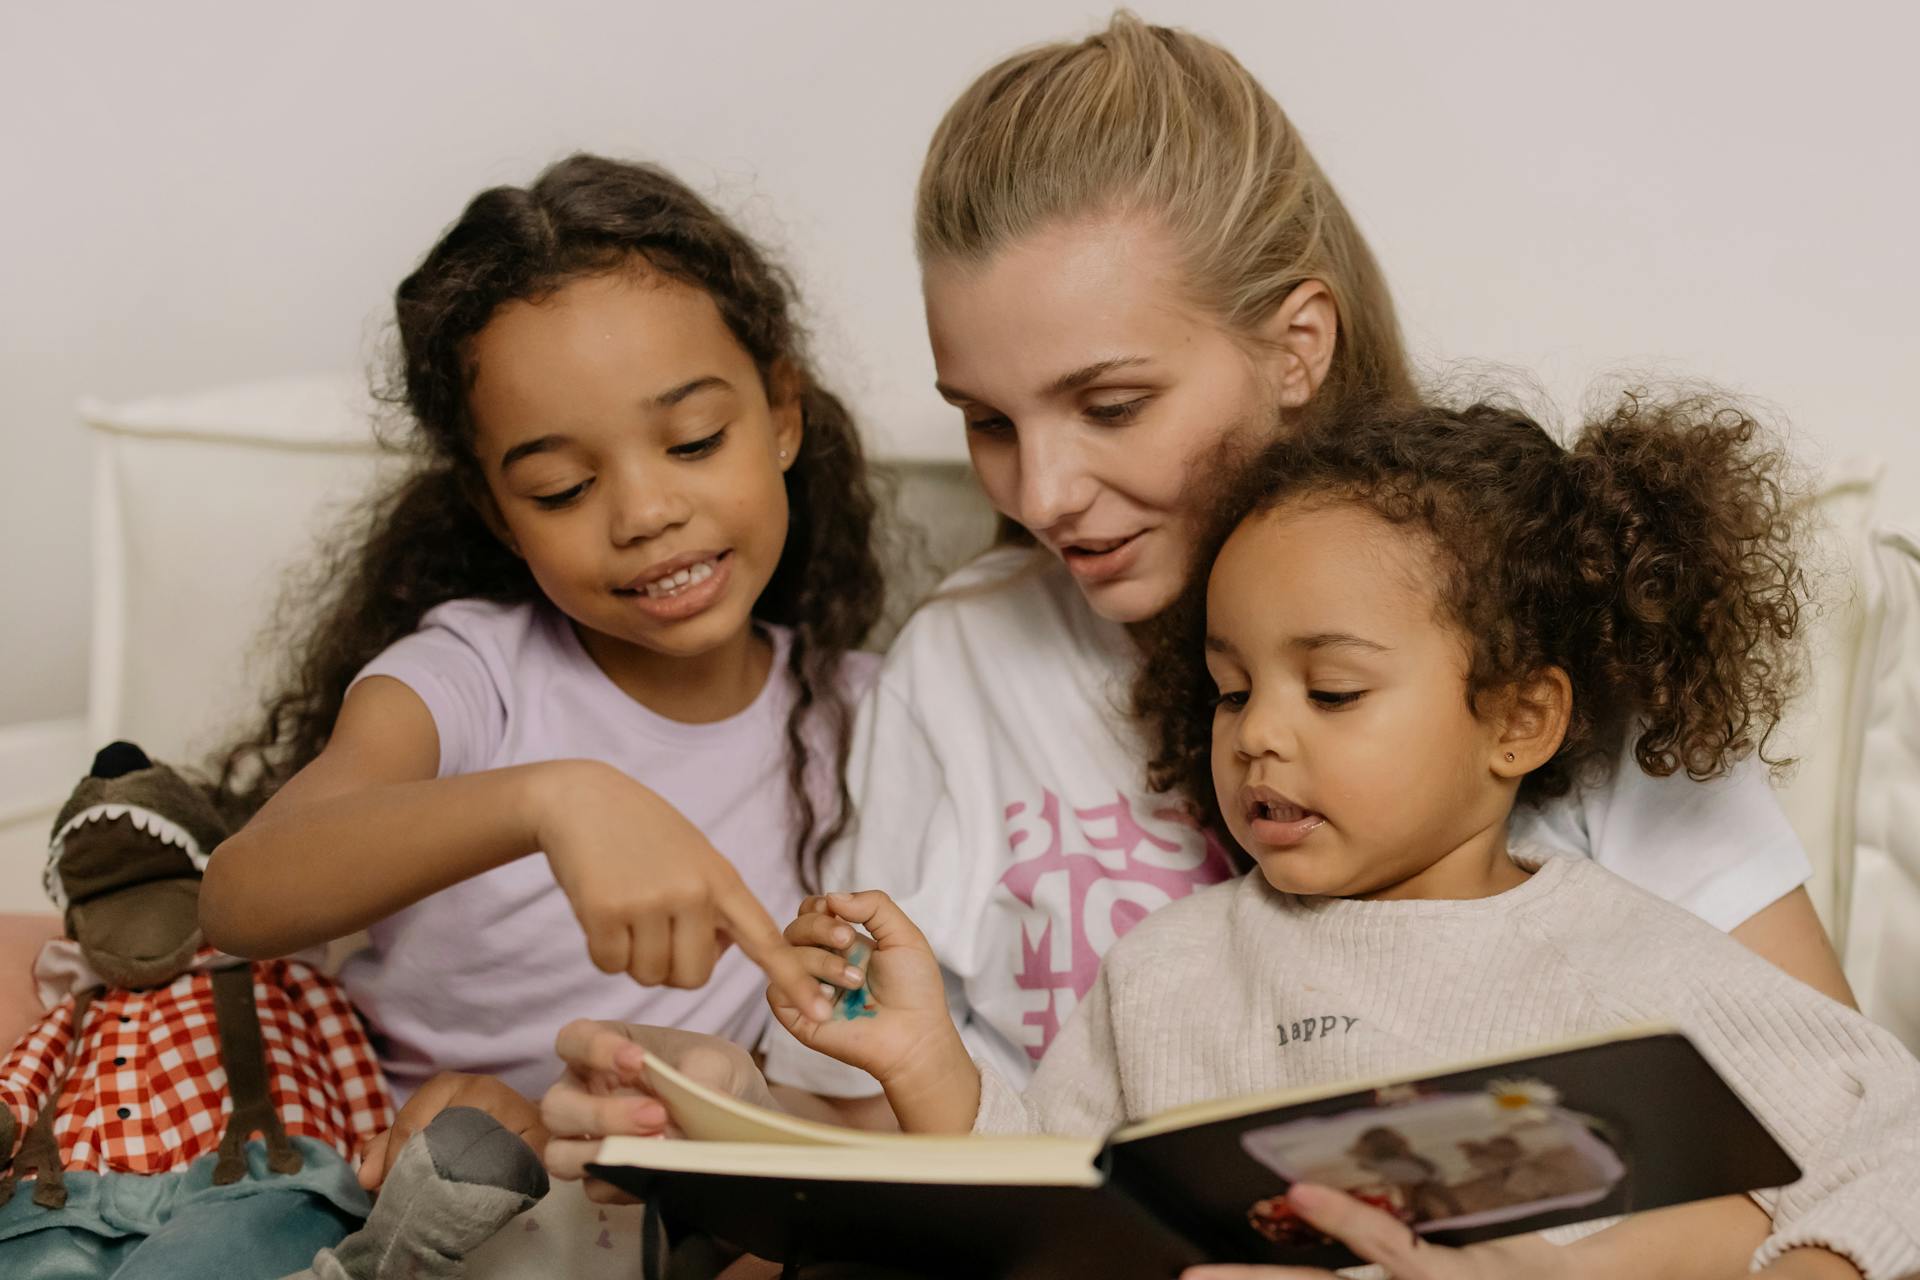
(1722, 848)
(1007, 602)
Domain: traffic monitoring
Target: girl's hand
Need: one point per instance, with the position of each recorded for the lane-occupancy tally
(655, 898)
(451, 1089)
(1379, 1237)
(604, 1091)
(904, 1035)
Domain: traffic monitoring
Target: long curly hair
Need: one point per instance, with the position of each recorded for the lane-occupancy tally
(1655, 562)
(426, 541)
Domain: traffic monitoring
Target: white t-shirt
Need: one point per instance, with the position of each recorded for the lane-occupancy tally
(1002, 802)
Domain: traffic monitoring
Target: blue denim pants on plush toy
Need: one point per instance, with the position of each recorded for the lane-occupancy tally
(179, 1226)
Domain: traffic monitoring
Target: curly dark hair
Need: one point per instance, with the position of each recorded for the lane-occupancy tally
(426, 540)
(1655, 562)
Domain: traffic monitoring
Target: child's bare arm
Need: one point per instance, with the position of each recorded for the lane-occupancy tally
(367, 829)
(363, 831)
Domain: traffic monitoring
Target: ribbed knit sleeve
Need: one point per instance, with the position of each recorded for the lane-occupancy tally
(1840, 1093)
(1076, 1089)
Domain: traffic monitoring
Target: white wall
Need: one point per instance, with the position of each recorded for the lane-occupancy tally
(197, 193)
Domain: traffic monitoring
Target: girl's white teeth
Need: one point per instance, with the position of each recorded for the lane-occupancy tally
(674, 583)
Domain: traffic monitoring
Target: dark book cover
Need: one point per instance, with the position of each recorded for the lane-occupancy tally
(1559, 1136)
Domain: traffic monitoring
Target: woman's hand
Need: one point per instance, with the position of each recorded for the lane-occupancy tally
(903, 1034)
(657, 901)
(1380, 1237)
(604, 1092)
(451, 1089)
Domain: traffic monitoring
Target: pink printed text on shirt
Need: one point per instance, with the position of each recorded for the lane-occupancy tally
(1084, 880)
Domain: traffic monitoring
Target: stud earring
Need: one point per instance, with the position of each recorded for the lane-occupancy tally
(1509, 755)
(783, 455)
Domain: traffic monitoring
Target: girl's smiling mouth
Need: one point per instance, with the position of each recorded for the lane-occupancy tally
(681, 587)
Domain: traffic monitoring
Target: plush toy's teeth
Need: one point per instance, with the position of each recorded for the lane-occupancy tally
(145, 820)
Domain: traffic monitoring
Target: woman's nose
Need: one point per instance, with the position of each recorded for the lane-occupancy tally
(1055, 483)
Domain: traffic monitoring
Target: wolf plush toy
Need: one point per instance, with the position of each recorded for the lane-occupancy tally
(136, 1100)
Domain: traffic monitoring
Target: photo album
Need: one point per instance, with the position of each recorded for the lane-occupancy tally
(1560, 1134)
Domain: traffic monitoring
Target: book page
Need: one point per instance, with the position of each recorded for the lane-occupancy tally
(726, 1135)
(707, 1115)
(944, 1161)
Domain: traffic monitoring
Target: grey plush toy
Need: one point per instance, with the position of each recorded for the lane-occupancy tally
(457, 1181)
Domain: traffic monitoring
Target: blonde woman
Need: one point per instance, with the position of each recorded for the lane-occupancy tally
(1129, 258)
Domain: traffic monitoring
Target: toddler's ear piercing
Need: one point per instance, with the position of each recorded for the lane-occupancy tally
(783, 455)
(1509, 755)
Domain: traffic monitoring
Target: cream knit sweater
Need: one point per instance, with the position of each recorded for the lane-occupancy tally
(1241, 989)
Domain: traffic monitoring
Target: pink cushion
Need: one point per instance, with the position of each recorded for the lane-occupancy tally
(21, 937)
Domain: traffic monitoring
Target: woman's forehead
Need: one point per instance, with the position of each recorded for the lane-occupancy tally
(1055, 303)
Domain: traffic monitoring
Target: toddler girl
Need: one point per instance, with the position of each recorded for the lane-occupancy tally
(1413, 620)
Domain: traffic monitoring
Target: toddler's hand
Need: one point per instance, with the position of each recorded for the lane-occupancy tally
(604, 1091)
(902, 1033)
(451, 1089)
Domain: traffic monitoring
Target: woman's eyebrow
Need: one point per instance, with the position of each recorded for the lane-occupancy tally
(1088, 373)
(1066, 382)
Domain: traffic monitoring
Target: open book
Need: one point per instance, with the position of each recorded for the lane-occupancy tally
(1630, 1121)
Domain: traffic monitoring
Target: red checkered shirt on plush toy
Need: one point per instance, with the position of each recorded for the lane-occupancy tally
(148, 1093)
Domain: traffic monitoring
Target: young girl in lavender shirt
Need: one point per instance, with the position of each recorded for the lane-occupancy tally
(607, 618)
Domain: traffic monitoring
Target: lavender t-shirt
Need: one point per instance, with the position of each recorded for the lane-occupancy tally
(481, 976)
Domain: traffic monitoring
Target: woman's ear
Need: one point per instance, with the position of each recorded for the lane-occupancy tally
(1301, 334)
(1533, 723)
(786, 393)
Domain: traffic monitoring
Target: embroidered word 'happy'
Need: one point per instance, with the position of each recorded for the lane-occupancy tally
(1307, 1028)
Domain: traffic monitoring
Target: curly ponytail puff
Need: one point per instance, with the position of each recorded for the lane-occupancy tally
(1685, 543)
(1655, 563)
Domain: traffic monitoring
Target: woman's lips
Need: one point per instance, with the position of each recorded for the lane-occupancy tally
(1101, 559)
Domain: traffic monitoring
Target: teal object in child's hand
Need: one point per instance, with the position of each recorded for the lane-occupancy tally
(855, 1002)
